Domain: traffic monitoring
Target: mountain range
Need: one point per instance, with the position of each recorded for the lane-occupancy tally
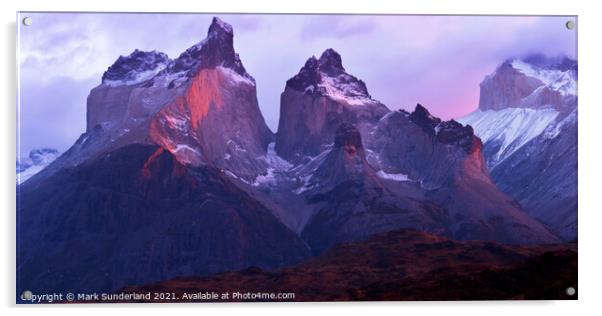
(36, 161)
(527, 120)
(177, 173)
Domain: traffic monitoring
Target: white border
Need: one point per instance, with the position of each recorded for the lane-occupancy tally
(589, 146)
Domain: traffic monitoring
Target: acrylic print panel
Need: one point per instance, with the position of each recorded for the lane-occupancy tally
(244, 157)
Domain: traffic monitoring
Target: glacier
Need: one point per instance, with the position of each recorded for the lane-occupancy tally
(511, 127)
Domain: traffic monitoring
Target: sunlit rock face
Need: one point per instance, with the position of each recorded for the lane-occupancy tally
(201, 106)
(178, 175)
(147, 192)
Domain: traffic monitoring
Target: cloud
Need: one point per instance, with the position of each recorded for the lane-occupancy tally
(335, 26)
(67, 45)
(438, 61)
(53, 114)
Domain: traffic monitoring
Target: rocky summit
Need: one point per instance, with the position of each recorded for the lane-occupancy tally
(527, 120)
(316, 101)
(178, 175)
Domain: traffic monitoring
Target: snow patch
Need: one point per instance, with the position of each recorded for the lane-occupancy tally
(267, 178)
(180, 147)
(307, 185)
(561, 81)
(28, 173)
(553, 131)
(234, 176)
(400, 177)
(177, 122)
(235, 77)
(343, 88)
(138, 78)
(236, 146)
(512, 127)
(37, 160)
(274, 161)
(276, 165)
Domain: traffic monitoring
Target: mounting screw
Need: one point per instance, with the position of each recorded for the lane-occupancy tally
(27, 21)
(570, 25)
(26, 296)
(570, 291)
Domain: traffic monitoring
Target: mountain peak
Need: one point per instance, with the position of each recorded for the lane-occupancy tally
(326, 76)
(330, 62)
(423, 118)
(535, 81)
(219, 27)
(216, 50)
(136, 67)
(311, 63)
(347, 135)
(561, 62)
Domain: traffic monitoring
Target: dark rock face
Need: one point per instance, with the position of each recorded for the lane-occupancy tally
(351, 203)
(346, 161)
(452, 170)
(137, 215)
(316, 101)
(449, 191)
(424, 119)
(428, 150)
(542, 177)
(216, 50)
(452, 132)
(347, 135)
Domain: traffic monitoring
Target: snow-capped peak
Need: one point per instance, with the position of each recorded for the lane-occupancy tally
(326, 76)
(535, 82)
(563, 81)
(216, 50)
(509, 128)
(135, 68)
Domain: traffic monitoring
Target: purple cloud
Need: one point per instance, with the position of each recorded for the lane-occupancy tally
(438, 61)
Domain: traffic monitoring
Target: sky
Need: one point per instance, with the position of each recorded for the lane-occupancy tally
(437, 61)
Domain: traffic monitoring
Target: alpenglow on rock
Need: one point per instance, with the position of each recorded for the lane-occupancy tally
(178, 175)
(201, 106)
(145, 194)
